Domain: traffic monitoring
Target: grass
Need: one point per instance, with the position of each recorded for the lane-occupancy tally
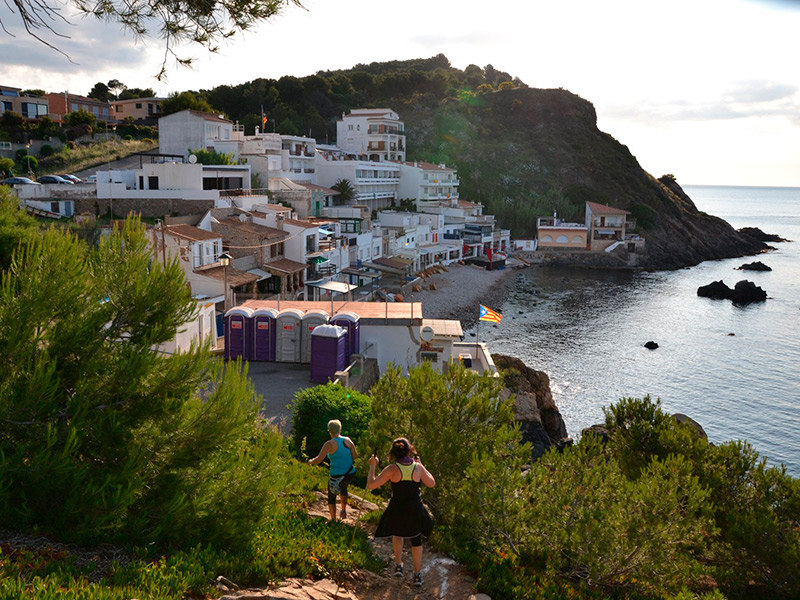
(288, 543)
(85, 157)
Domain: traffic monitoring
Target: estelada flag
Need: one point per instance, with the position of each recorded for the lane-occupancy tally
(487, 314)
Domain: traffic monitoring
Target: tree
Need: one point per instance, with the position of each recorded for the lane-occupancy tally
(135, 444)
(346, 191)
(13, 125)
(6, 167)
(177, 102)
(212, 157)
(175, 21)
(80, 117)
(100, 91)
(16, 225)
(34, 92)
(131, 93)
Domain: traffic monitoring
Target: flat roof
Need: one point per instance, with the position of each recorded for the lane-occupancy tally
(444, 327)
(365, 310)
(334, 286)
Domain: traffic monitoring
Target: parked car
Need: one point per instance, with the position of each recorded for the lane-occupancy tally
(91, 179)
(72, 178)
(54, 179)
(16, 180)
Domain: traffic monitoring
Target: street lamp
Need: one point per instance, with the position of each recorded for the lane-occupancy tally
(225, 260)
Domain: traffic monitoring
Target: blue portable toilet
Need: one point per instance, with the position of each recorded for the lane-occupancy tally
(263, 334)
(328, 352)
(237, 333)
(351, 323)
(310, 320)
(288, 335)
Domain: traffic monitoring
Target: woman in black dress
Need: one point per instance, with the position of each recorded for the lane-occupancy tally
(405, 517)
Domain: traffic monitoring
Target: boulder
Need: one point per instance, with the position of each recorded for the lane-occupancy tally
(746, 291)
(755, 266)
(686, 420)
(540, 421)
(597, 429)
(756, 234)
(651, 345)
(716, 289)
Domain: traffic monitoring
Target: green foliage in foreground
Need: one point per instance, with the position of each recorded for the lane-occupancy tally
(314, 407)
(92, 414)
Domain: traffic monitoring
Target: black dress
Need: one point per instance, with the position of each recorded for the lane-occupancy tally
(406, 515)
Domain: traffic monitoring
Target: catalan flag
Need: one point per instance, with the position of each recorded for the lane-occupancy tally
(487, 314)
(263, 118)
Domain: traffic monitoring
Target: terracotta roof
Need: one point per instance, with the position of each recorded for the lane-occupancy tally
(467, 204)
(394, 263)
(261, 230)
(300, 223)
(365, 310)
(235, 276)
(428, 166)
(209, 116)
(602, 209)
(284, 265)
(190, 232)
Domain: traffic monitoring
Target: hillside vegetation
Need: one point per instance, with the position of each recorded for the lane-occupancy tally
(522, 152)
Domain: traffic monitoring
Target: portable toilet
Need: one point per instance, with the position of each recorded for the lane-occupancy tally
(328, 352)
(237, 337)
(287, 335)
(311, 320)
(263, 334)
(351, 323)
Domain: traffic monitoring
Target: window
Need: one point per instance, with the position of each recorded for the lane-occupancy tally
(430, 356)
(54, 207)
(74, 107)
(141, 182)
(310, 245)
(152, 182)
(7, 106)
(118, 108)
(349, 128)
(138, 105)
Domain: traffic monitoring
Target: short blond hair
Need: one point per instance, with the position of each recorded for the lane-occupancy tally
(335, 426)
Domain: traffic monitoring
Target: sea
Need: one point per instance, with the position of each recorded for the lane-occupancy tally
(733, 369)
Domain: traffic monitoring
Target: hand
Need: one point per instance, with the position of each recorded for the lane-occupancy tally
(373, 460)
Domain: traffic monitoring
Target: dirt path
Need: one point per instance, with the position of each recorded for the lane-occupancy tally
(445, 579)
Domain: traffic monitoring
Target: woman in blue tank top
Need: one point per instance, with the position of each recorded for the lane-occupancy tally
(341, 454)
(406, 516)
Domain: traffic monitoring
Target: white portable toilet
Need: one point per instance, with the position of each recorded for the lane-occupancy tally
(288, 335)
(312, 319)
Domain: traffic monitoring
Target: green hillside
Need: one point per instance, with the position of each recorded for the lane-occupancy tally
(523, 152)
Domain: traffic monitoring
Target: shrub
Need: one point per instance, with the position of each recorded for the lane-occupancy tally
(312, 408)
(46, 150)
(6, 166)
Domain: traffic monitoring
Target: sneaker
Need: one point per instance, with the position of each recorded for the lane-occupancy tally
(418, 579)
(344, 514)
(398, 569)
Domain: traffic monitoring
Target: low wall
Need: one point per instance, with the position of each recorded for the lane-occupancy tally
(151, 207)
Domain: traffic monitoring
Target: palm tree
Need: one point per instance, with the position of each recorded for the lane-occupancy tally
(346, 191)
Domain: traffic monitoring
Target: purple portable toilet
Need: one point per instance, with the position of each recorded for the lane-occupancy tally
(263, 334)
(351, 322)
(237, 338)
(311, 320)
(328, 352)
(287, 335)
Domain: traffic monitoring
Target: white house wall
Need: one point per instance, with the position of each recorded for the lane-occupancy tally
(391, 344)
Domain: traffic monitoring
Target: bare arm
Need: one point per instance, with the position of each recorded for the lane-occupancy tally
(323, 452)
(376, 482)
(351, 445)
(425, 475)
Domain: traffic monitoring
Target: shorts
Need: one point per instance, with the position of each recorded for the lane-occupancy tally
(342, 487)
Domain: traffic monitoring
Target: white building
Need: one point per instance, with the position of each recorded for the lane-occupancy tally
(376, 184)
(426, 181)
(187, 130)
(373, 134)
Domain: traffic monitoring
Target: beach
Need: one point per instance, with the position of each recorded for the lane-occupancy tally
(459, 290)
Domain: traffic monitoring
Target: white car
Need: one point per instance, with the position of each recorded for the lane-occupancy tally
(91, 179)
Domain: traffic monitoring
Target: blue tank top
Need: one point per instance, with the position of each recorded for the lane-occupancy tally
(341, 460)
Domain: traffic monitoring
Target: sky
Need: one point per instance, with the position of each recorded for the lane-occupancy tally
(708, 90)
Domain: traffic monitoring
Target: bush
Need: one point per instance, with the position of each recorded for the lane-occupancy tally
(46, 150)
(312, 408)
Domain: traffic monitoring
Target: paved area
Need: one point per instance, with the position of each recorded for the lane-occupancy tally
(277, 383)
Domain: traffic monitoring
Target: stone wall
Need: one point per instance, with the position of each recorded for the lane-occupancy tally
(151, 207)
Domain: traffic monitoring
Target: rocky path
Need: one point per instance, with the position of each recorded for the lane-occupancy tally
(444, 578)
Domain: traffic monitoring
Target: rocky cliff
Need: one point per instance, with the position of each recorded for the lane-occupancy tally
(540, 421)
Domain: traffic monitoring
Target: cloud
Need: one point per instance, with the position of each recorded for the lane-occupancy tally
(474, 38)
(744, 100)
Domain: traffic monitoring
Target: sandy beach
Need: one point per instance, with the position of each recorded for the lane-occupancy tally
(460, 290)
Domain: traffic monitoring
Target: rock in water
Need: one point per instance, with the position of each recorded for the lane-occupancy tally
(755, 266)
(651, 345)
(716, 289)
(746, 291)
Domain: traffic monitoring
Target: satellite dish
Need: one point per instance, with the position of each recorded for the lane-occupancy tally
(192, 159)
(426, 333)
